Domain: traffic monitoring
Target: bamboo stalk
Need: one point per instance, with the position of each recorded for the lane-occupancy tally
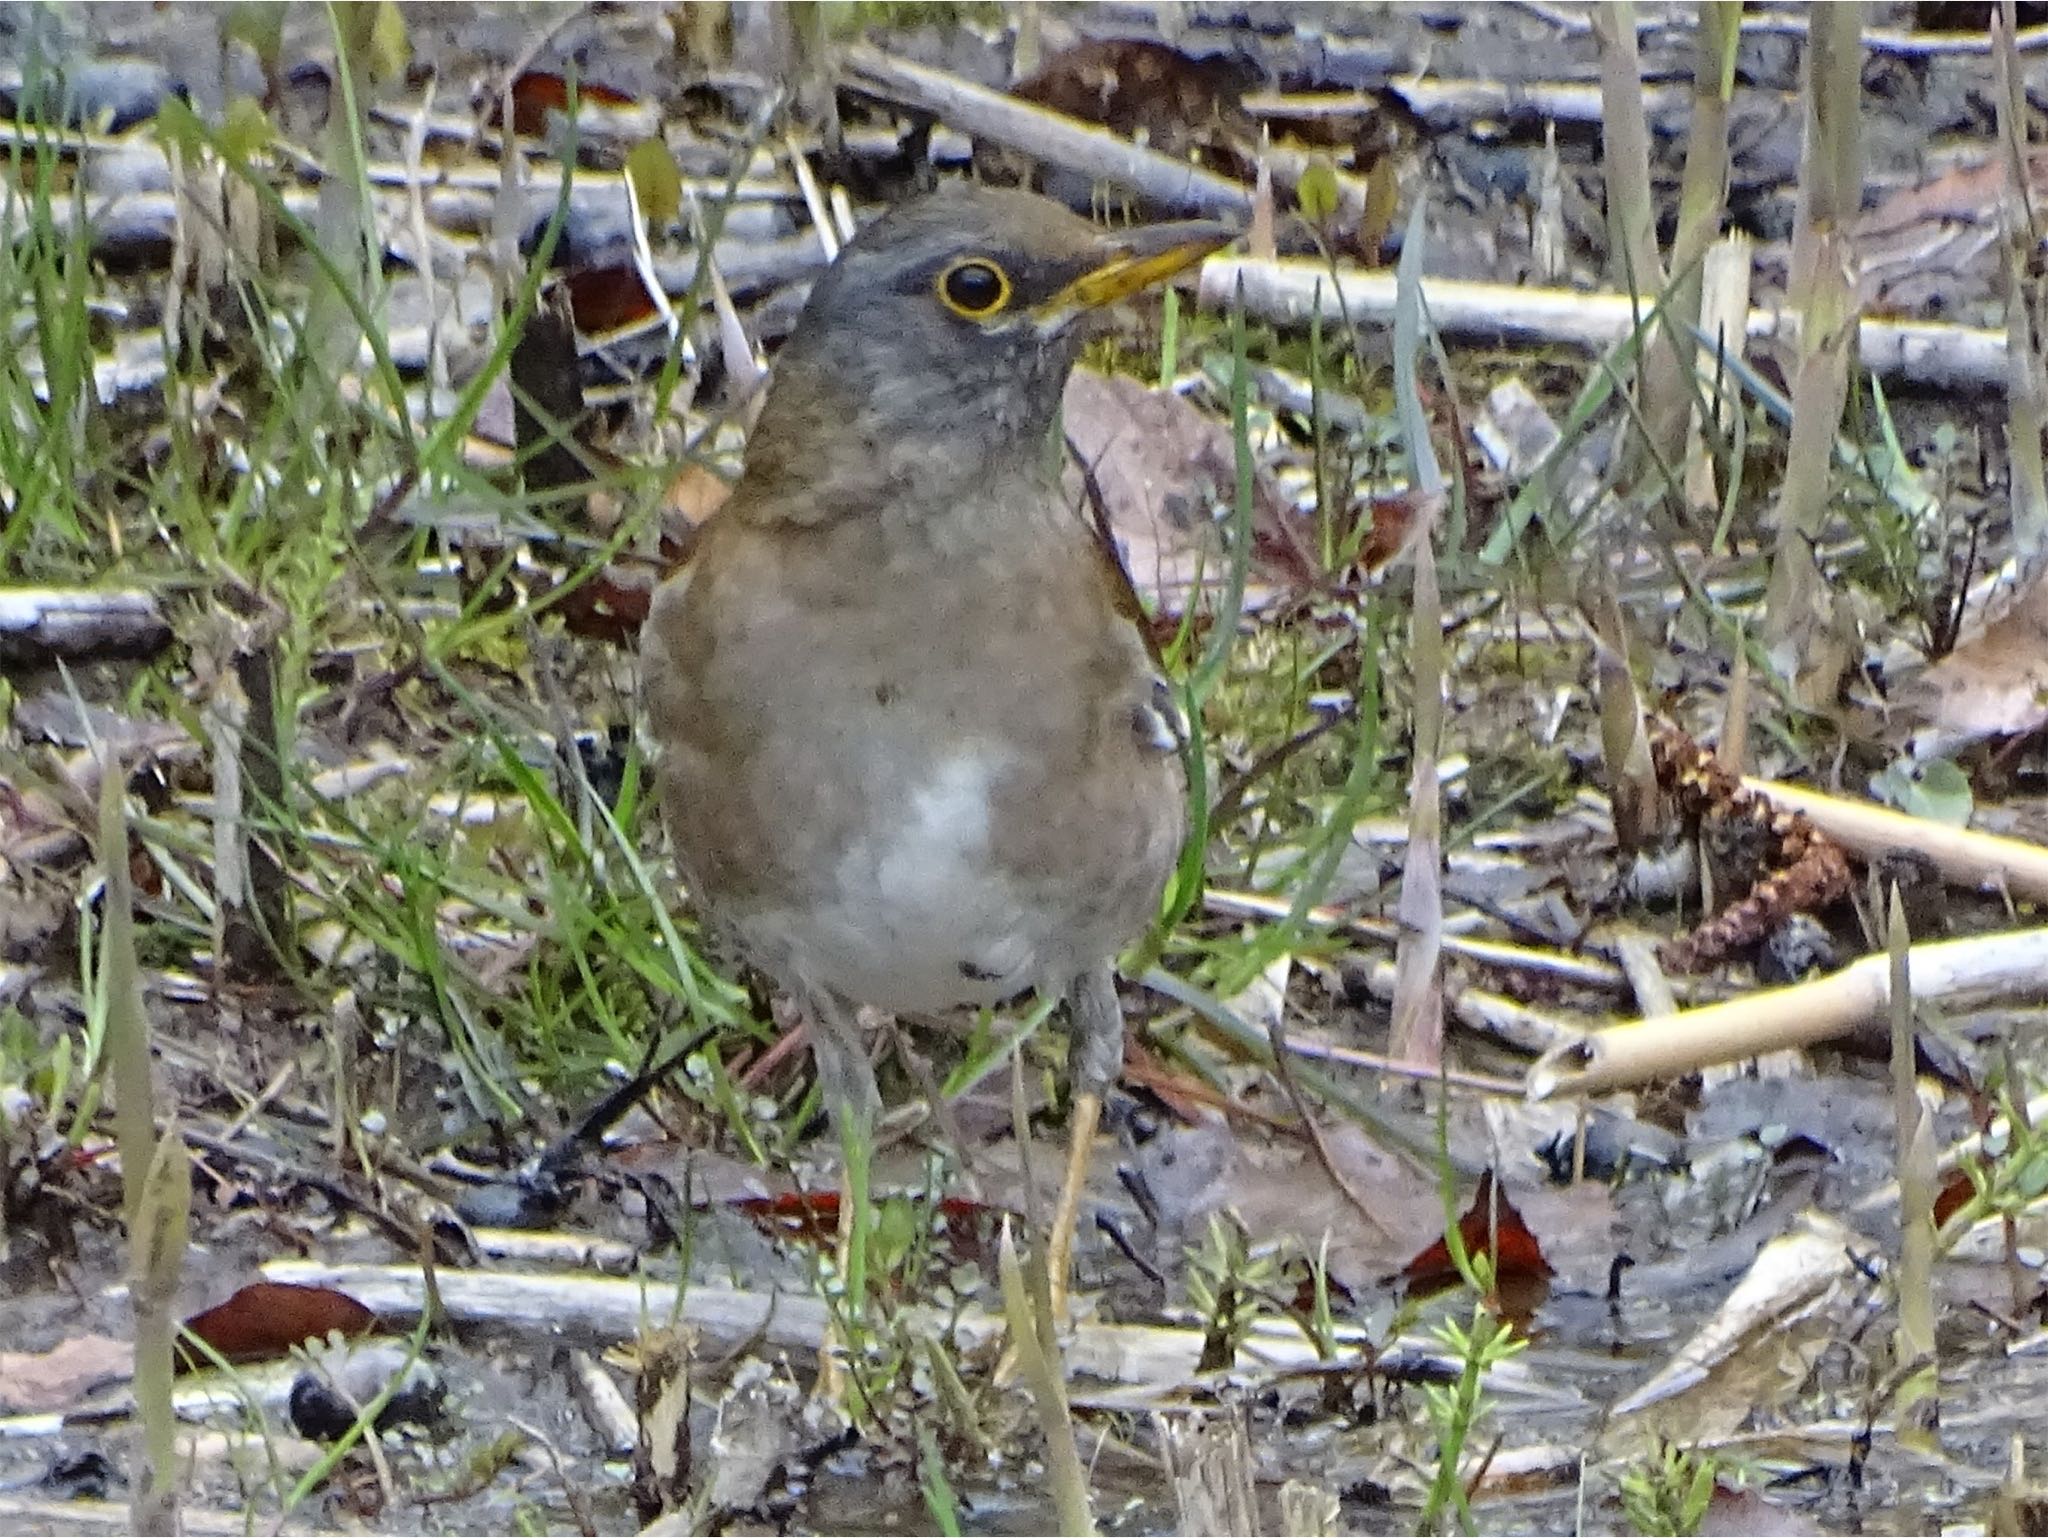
(2027, 383)
(1798, 608)
(1702, 203)
(1953, 972)
(1917, 1406)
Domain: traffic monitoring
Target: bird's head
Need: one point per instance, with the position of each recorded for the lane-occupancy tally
(951, 323)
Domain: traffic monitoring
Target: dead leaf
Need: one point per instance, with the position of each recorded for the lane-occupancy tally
(663, 1458)
(1995, 683)
(1954, 1195)
(1491, 1226)
(1806, 1291)
(611, 606)
(604, 299)
(1149, 92)
(537, 93)
(1165, 472)
(549, 422)
(1746, 1514)
(57, 1379)
(1282, 1189)
(1399, 519)
(266, 1319)
(696, 492)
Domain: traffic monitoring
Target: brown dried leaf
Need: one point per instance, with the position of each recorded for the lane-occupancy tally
(1145, 91)
(1281, 1190)
(33, 1382)
(539, 93)
(266, 1319)
(606, 299)
(694, 495)
(1746, 1514)
(1163, 469)
(1491, 1225)
(1995, 683)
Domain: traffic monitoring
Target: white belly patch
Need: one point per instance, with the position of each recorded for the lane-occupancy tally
(942, 846)
(920, 919)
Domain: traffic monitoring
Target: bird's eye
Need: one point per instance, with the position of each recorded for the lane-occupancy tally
(975, 288)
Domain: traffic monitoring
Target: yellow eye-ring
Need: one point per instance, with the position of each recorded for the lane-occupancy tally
(974, 287)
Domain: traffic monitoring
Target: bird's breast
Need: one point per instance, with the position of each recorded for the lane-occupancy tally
(918, 796)
(918, 913)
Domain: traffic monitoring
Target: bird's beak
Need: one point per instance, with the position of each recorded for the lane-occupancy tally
(1139, 258)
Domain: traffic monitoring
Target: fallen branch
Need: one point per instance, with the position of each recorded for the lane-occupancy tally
(1059, 140)
(1558, 966)
(33, 1514)
(1914, 44)
(1447, 105)
(1954, 974)
(1049, 136)
(1144, 1357)
(43, 625)
(129, 225)
(1284, 292)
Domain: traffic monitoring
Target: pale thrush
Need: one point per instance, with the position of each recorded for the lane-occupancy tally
(914, 750)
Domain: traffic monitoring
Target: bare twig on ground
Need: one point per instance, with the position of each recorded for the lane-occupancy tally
(1939, 357)
(1072, 144)
(1049, 136)
(42, 625)
(1124, 1362)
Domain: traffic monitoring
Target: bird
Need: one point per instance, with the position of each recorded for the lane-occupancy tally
(912, 745)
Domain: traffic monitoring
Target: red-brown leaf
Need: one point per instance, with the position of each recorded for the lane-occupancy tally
(266, 1319)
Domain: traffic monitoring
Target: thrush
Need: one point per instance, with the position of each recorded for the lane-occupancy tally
(912, 746)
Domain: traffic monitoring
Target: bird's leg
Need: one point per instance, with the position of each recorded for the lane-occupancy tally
(846, 1080)
(1095, 1058)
